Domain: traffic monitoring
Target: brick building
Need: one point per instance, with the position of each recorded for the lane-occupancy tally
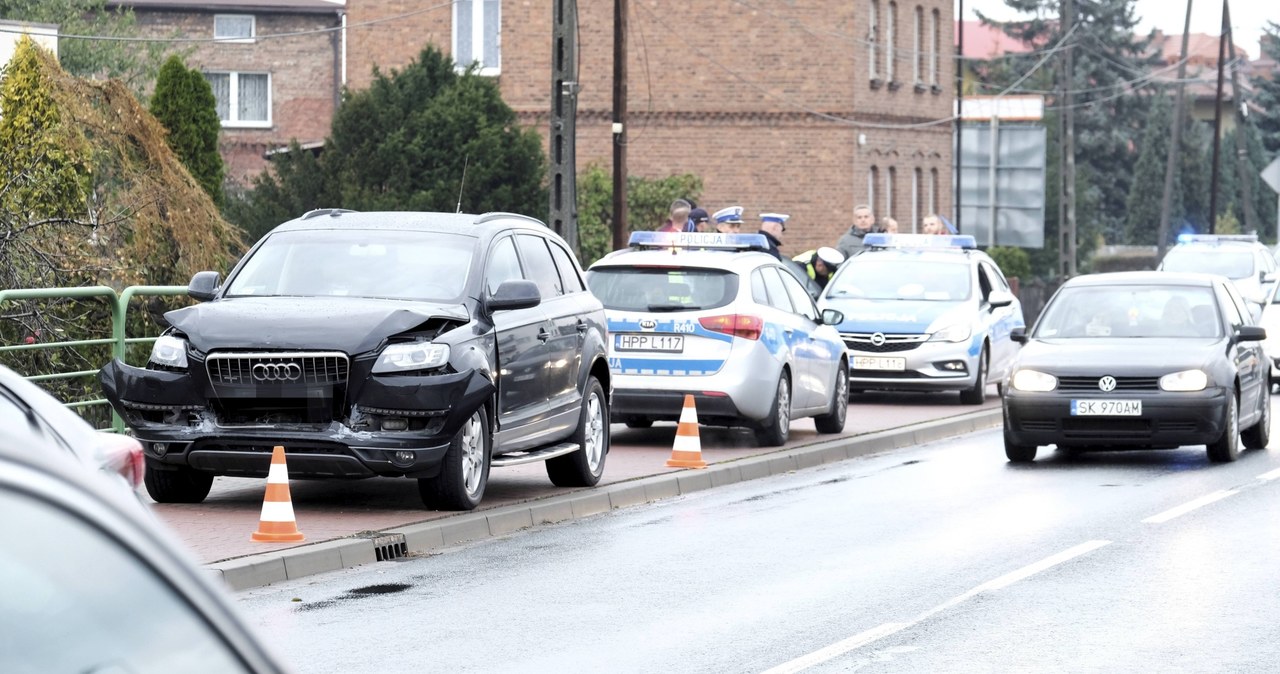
(275, 67)
(807, 107)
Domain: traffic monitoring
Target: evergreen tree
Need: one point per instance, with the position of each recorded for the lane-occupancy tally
(1142, 213)
(1230, 194)
(1266, 88)
(1193, 179)
(403, 143)
(183, 102)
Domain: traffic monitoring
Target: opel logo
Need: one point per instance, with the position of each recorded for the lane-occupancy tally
(1107, 383)
(648, 324)
(877, 339)
(277, 372)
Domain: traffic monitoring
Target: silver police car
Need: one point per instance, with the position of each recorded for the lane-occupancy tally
(925, 313)
(713, 316)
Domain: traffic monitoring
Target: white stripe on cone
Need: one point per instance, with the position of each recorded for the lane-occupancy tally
(277, 511)
(687, 443)
(278, 474)
(689, 415)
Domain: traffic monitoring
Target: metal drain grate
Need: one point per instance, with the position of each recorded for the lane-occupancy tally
(386, 547)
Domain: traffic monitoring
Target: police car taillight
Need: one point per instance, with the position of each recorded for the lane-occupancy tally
(738, 325)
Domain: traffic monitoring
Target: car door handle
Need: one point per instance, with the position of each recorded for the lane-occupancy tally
(582, 325)
(543, 335)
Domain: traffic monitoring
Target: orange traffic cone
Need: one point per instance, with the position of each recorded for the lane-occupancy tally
(277, 523)
(687, 450)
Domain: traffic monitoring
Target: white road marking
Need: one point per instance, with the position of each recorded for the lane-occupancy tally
(1189, 506)
(1270, 475)
(876, 633)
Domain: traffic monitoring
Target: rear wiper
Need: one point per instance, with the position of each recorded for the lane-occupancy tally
(670, 307)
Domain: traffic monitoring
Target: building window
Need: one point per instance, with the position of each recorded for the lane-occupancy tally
(233, 27)
(933, 48)
(933, 191)
(873, 32)
(889, 179)
(916, 179)
(890, 41)
(476, 26)
(872, 178)
(917, 47)
(243, 99)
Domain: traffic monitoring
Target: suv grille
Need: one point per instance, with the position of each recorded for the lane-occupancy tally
(251, 369)
(861, 341)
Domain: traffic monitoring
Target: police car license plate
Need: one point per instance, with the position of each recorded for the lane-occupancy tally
(879, 363)
(663, 343)
(1106, 408)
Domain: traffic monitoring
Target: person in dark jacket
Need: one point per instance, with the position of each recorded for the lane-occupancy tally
(772, 225)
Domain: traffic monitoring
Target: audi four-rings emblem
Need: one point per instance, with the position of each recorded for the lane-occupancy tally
(277, 372)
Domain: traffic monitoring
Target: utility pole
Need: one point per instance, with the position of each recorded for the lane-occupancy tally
(959, 121)
(564, 112)
(1244, 173)
(1171, 162)
(1068, 245)
(619, 124)
(1217, 123)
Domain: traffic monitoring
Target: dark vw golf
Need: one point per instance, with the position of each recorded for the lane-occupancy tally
(1140, 360)
(426, 345)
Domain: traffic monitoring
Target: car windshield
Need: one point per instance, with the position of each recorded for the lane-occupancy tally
(1131, 311)
(405, 265)
(883, 277)
(662, 288)
(1234, 264)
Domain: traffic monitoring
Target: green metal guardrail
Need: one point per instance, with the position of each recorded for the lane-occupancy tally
(119, 340)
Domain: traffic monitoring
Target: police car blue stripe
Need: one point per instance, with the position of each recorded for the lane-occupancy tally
(665, 366)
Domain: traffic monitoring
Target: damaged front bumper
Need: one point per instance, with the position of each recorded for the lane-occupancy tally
(378, 425)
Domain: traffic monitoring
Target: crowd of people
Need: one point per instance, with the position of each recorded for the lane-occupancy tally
(819, 263)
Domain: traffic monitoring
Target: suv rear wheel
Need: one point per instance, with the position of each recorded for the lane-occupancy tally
(584, 467)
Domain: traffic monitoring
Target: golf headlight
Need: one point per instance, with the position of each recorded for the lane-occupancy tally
(1031, 380)
(1187, 380)
(169, 351)
(410, 357)
(952, 333)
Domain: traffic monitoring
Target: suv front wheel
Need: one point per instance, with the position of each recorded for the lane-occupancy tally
(464, 472)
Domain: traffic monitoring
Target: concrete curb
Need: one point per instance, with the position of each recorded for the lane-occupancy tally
(245, 573)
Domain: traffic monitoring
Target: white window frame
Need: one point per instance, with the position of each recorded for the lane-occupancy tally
(917, 177)
(917, 48)
(253, 29)
(233, 102)
(888, 192)
(933, 191)
(890, 40)
(933, 48)
(477, 38)
(872, 175)
(872, 42)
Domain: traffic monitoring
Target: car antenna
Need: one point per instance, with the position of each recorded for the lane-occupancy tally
(463, 183)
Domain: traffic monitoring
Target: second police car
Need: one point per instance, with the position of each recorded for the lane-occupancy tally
(925, 313)
(713, 316)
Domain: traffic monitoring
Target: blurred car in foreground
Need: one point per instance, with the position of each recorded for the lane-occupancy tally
(924, 313)
(1270, 320)
(116, 456)
(93, 585)
(1150, 360)
(712, 316)
(1239, 257)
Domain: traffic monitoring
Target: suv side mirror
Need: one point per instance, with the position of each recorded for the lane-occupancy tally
(519, 294)
(1018, 335)
(832, 317)
(204, 285)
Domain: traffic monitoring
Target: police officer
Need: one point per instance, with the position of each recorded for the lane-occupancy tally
(820, 264)
(728, 220)
(772, 225)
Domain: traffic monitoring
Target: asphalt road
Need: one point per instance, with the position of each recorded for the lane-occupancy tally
(219, 528)
(939, 558)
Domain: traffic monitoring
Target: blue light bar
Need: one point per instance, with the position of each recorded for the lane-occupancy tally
(706, 240)
(877, 240)
(1216, 238)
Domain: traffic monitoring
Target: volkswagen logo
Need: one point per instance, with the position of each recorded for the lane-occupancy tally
(278, 372)
(878, 339)
(648, 324)
(1107, 383)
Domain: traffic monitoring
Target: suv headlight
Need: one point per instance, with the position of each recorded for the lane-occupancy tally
(1187, 380)
(169, 351)
(1031, 380)
(411, 356)
(952, 333)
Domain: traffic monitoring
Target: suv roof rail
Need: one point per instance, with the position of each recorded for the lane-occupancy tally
(331, 212)
(497, 215)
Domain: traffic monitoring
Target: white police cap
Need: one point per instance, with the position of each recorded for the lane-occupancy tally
(830, 256)
(729, 214)
(780, 218)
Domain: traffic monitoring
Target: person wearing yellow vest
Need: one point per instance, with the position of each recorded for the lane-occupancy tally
(820, 264)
